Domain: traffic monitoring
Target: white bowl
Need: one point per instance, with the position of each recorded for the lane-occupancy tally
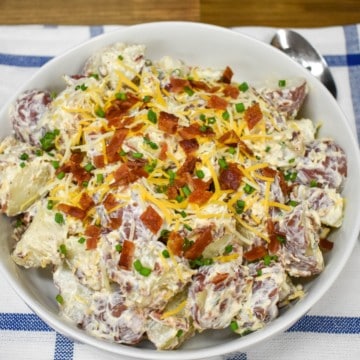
(251, 61)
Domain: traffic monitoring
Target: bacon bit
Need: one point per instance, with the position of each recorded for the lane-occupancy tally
(177, 85)
(227, 75)
(188, 166)
(189, 145)
(110, 202)
(93, 234)
(115, 223)
(73, 211)
(172, 192)
(77, 157)
(326, 245)
(285, 188)
(99, 161)
(268, 172)
(114, 146)
(86, 202)
(119, 108)
(127, 254)
(163, 150)
(79, 173)
(203, 240)
(219, 277)
(256, 253)
(200, 196)
(274, 244)
(168, 123)
(151, 219)
(91, 243)
(230, 177)
(136, 128)
(231, 91)
(229, 138)
(128, 173)
(192, 131)
(253, 115)
(175, 243)
(216, 102)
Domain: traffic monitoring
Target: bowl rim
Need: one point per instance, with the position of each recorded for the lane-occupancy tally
(239, 344)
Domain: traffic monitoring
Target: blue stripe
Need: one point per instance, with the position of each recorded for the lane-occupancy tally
(353, 47)
(64, 348)
(23, 60)
(22, 322)
(96, 30)
(327, 325)
(238, 356)
(343, 60)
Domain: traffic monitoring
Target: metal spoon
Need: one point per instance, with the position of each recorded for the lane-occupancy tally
(300, 50)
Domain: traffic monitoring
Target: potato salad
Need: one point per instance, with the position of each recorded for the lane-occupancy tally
(168, 198)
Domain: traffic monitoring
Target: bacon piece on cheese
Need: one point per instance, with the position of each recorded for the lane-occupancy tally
(93, 233)
(127, 254)
(230, 177)
(217, 102)
(151, 219)
(168, 123)
(114, 146)
(202, 241)
(175, 243)
(73, 211)
(253, 115)
(189, 145)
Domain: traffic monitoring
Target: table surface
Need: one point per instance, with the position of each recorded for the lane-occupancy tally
(278, 13)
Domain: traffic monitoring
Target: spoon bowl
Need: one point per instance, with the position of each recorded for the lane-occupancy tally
(300, 50)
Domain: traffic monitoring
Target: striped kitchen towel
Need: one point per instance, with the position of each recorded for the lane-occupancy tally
(331, 330)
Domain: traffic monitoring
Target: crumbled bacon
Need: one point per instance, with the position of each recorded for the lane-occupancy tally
(230, 177)
(256, 253)
(77, 157)
(110, 202)
(151, 219)
(127, 254)
(163, 149)
(189, 145)
(73, 211)
(216, 102)
(325, 244)
(177, 85)
(194, 130)
(200, 196)
(188, 166)
(231, 91)
(119, 108)
(227, 75)
(114, 146)
(175, 243)
(93, 233)
(274, 236)
(99, 161)
(168, 123)
(253, 115)
(229, 138)
(197, 248)
(128, 173)
(86, 202)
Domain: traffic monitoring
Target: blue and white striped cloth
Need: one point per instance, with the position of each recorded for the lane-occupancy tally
(331, 330)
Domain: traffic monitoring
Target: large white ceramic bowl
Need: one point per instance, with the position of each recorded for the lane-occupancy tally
(252, 61)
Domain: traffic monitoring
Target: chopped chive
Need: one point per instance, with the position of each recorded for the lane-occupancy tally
(291, 160)
(293, 203)
(59, 299)
(146, 98)
(59, 218)
(189, 90)
(179, 333)
(240, 107)
(202, 117)
(81, 87)
(171, 176)
(100, 112)
(152, 117)
(281, 239)
(244, 86)
(186, 190)
(22, 164)
(212, 120)
(50, 204)
(99, 178)
(200, 174)
(55, 164)
(81, 240)
(137, 155)
(259, 272)
(203, 128)
(231, 150)
(239, 207)
(153, 145)
(234, 325)
(179, 198)
(89, 166)
(121, 96)
(85, 183)
(282, 83)
(188, 227)
(24, 156)
(223, 164)
(120, 57)
(165, 254)
(248, 189)
(228, 249)
(118, 247)
(268, 148)
(60, 175)
(225, 115)
(122, 153)
(313, 183)
(39, 152)
(62, 249)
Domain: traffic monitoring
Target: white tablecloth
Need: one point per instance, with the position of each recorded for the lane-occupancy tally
(329, 331)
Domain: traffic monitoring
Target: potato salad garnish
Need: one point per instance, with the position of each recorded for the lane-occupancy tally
(167, 199)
